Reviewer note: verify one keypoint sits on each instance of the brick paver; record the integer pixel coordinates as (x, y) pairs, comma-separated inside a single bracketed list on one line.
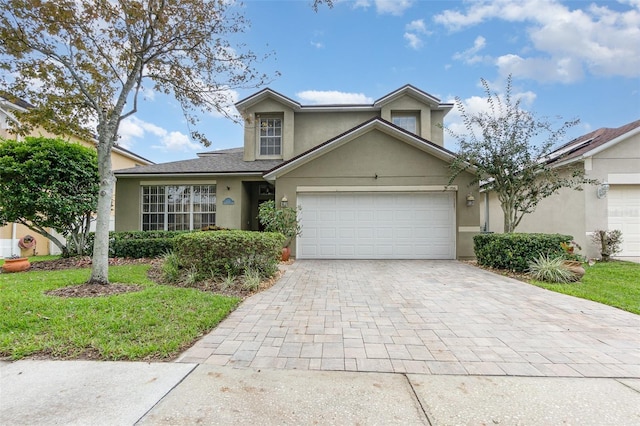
[(433, 317)]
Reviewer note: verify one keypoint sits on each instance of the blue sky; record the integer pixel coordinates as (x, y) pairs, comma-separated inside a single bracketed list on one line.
[(574, 59)]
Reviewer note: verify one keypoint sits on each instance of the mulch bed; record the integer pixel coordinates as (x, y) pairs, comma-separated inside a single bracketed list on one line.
[(154, 273)]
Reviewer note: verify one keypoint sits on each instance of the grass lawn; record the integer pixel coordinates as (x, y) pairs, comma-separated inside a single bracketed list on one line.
[(157, 322), (611, 283)]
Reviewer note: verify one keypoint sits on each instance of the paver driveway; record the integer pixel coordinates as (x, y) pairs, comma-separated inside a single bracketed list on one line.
[(432, 317)]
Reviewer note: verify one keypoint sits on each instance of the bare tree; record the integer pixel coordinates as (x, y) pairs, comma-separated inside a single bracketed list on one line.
[(84, 64)]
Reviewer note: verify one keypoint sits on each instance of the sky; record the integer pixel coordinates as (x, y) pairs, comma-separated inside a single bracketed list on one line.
[(567, 59)]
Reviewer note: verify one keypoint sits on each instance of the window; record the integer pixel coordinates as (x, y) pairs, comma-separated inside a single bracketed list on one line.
[(406, 120), (178, 208), (270, 136)]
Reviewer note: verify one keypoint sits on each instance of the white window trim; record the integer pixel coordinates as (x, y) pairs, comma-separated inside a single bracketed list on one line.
[(260, 117), (166, 213)]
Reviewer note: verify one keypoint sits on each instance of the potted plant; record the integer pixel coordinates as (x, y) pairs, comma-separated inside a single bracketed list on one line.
[(283, 220), (15, 263)]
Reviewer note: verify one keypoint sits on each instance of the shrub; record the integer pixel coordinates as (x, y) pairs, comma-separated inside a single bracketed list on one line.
[(170, 267), (514, 251), (229, 253), (137, 244), (283, 220), (608, 242), (550, 269)]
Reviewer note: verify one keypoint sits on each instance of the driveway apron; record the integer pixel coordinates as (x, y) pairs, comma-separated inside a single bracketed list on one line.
[(426, 317)]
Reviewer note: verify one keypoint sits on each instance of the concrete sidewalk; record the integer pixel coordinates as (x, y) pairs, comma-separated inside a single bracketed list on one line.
[(127, 393)]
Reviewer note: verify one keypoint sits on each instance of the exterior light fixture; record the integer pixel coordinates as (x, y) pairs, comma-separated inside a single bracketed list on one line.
[(284, 202), (470, 200), (602, 190)]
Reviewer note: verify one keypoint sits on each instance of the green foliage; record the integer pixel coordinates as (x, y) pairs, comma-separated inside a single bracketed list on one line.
[(283, 220), (505, 148), (609, 242), (49, 183), (550, 269), (514, 251), (138, 244), (251, 279), (612, 283), (157, 322), (170, 267), (229, 252)]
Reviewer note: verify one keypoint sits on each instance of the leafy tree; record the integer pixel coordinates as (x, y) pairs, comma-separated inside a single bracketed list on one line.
[(49, 183), (85, 63), (510, 148)]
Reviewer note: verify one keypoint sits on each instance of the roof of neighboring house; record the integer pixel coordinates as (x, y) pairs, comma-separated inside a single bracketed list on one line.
[(227, 161), (13, 102), (593, 142)]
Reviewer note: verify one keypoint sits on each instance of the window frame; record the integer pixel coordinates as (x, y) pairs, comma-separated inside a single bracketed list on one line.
[(260, 137), (186, 206), (400, 115)]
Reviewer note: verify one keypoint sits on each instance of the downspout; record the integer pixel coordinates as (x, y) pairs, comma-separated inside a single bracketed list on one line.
[(486, 211), (13, 238)]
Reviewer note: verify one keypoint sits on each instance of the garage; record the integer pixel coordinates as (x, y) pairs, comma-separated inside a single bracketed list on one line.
[(377, 225), (624, 214)]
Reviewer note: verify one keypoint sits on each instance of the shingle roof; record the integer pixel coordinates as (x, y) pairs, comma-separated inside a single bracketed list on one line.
[(585, 143), (213, 162)]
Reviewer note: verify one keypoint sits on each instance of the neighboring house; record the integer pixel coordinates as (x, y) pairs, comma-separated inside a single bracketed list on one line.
[(371, 180), (612, 156), (10, 234)]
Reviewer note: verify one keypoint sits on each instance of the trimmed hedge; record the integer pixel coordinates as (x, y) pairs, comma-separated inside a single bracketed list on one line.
[(137, 244), (514, 251), (229, 252)]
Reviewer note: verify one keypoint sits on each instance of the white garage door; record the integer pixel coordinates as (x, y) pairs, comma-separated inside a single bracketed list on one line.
[(624, 214), (377, 226)]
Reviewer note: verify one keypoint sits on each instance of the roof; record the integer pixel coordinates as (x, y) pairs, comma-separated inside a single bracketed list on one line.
[(229, 161), (591, 143), (374, 123), (377, 105)]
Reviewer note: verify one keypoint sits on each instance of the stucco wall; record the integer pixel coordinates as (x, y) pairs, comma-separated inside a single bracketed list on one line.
[(397, 164), (313, 129), (578, 213)]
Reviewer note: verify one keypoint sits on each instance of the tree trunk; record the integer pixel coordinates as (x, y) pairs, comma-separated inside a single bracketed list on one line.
[(100, 260)]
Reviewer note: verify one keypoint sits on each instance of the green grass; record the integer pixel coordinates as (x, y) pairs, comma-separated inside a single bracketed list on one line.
[(611, 283), (155, 323)]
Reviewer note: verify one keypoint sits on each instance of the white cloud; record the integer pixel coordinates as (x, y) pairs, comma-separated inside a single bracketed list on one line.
[(133, 129), (565, 42), (391, 7), (414, 41), (317, 44), (417, 26), (470, 56), (330, 97)]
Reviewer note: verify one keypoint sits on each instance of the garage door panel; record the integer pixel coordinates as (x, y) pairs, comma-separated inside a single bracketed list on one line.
[(624, 214), (377, 225)]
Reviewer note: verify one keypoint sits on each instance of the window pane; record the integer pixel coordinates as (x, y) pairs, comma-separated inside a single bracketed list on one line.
[(270, 136)]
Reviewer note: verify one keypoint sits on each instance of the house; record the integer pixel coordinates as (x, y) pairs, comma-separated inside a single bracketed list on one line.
[(372, 181), (612, 157), (10, 235)]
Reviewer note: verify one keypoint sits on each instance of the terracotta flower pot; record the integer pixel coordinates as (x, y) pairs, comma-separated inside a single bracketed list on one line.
[(286, 252), (16, 265)]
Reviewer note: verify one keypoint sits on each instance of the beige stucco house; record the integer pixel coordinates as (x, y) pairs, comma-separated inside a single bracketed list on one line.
[(371, 180), (10, 235), (612, 157)]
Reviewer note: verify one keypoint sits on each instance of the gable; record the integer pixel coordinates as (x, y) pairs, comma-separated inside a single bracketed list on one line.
[(370, 154)]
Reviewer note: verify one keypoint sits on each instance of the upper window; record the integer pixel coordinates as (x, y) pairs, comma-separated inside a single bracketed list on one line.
[(406, 120), (270, 136), (178, 208)]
